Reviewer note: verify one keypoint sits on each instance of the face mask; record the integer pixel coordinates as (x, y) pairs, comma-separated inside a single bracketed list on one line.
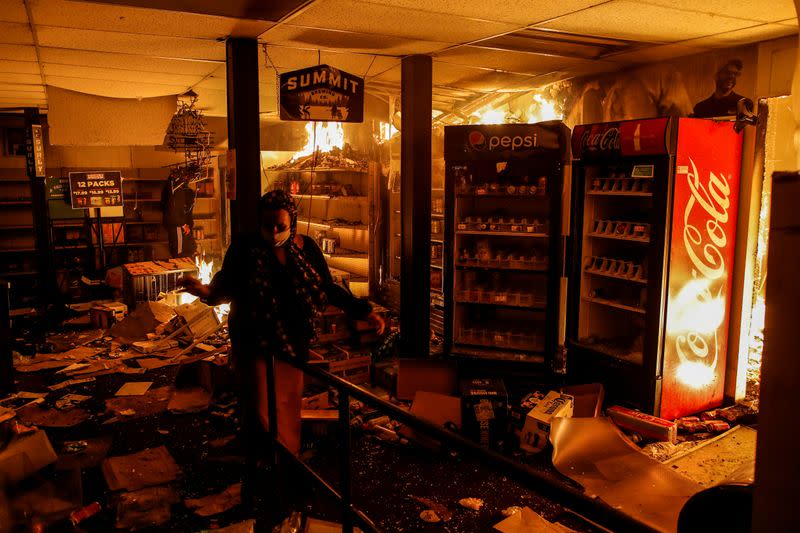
[(279, 239)]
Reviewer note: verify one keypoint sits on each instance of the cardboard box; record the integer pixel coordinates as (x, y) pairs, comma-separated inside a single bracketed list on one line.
[(645, 425), (484, 411), (536, 431), (440, 409), (431, 375), (25, 455), (106, 315)]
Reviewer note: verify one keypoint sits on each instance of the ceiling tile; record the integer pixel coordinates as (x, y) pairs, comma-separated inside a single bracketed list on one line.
[(654, 54), (17, 52), (22, 102), (13, 11), (212, 102), (30, 88), (762, 32), (350, 15), (789, 22), (30, 95), (761, 10), (123, 19), (88, 58), (517, 12), (147, 45), (625, 19), (115, 89), (315, 38), (18, 67), (246, 9), (473, 79), (94, 73), (27, 79), (518, 62), (15, 33)]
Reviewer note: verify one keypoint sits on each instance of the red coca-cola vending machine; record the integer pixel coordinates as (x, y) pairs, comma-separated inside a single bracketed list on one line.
[(654, 231)]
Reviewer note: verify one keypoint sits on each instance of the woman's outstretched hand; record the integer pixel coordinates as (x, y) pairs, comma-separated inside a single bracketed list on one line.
[(376, 321), (194, 286)]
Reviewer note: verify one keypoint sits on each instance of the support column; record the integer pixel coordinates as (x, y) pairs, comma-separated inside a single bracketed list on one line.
[(243, 131), (41, 223), (415, 205), (777, 479)]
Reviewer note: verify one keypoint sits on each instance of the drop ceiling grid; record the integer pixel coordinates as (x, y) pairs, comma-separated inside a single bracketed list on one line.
[(516, 12), (116, 18), (131, 76), (759, 10), (628, 19), (761, 32), (115, 89), (146, 45), (13, 11), (15, 33), (126, 61), (377, 19), (292, 35)]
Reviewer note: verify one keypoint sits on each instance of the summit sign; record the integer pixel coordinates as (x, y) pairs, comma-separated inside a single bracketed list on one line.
[(321, 93)]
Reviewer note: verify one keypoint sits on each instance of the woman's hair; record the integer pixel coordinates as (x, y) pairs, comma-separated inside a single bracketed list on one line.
[(277, 200)]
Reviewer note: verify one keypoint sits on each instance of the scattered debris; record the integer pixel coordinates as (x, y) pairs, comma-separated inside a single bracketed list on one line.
[(68, 401), (471, 503), (216, 503), (25, 455), (146, 507), (153, 466), (134, 388), (68, 383), (443, 512), (429, 516), (95, 451), (190, 400), (74, 446), (35, 415), (514, 509), (526, 521)]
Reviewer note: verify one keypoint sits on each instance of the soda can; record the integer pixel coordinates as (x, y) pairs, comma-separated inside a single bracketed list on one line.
[(692, 427), (717, 426)]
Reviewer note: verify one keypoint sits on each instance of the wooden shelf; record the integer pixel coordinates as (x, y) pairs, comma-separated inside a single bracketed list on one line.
[(24, 226), (616, 305), (613, 276), (140, 200), (617, 238), (15, 250), (433, 215), (504, 234), (15, 202)]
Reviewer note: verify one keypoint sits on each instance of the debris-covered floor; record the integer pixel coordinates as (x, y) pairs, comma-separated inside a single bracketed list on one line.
[(142, 418)]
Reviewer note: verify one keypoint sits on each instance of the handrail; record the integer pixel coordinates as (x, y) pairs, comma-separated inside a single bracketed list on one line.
[(574, 499)]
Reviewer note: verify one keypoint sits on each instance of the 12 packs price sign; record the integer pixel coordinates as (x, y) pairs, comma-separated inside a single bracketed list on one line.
[(95, 189)]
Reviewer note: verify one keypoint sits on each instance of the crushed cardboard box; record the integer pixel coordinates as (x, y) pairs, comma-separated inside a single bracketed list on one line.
[(25, 455), (536, 430), (150, 467)]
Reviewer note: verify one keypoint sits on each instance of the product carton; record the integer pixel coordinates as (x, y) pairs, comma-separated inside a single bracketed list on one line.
[(536, 431), (25, 455), (484, 411)]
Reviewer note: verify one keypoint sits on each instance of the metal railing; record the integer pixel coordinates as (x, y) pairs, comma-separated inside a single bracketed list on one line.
[(573, 499)]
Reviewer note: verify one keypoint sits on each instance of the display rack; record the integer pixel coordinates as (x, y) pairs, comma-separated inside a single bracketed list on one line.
[(504, 265), (334, 209), (630, 273)]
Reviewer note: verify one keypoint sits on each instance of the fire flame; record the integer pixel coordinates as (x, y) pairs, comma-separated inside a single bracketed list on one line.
[(529, 109), (205, 269), (329, 135)]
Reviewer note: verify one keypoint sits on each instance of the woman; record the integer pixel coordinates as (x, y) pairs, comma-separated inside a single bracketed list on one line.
[(277, 282)]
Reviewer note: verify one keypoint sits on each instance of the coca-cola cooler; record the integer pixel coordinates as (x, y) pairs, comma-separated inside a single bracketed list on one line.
[(654, 231)]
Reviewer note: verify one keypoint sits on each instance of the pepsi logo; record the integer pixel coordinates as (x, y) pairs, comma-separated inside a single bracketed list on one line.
[(477, 141)]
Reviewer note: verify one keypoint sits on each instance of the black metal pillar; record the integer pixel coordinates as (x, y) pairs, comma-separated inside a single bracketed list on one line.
[(41, 224), (243, 131), (777, 479), (6, 358), (415, 205)]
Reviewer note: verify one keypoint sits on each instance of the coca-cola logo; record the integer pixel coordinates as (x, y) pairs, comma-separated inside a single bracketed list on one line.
[(607, 140), (704, 240)]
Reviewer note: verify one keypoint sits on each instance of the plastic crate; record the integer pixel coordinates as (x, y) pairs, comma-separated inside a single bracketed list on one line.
[(143, 282)]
